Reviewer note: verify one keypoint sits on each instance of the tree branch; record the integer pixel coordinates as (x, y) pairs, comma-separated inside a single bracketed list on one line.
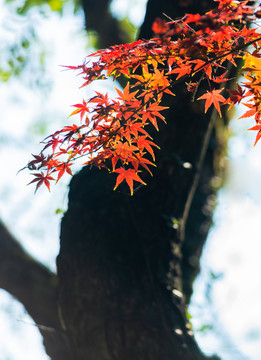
[(36, 288), (99, 19)]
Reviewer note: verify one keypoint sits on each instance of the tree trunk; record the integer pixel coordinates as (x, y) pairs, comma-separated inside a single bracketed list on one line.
[(126, 264)]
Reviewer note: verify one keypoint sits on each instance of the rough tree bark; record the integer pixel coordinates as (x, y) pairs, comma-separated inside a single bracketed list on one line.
[(126, 264)]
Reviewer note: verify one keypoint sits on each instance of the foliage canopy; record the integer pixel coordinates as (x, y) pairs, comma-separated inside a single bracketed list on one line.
[(113, 132)]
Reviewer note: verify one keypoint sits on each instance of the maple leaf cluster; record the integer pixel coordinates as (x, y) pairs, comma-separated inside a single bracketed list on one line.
[(113, 132)]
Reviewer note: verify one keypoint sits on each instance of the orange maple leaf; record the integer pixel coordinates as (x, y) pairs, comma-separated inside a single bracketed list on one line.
[(213, 97), (181, 71), (143, 142), (258, 136), (126, 96), (248, 113), (128, 175)]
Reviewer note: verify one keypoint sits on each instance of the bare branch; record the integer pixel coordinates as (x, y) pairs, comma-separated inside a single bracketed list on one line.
[(36, 288)]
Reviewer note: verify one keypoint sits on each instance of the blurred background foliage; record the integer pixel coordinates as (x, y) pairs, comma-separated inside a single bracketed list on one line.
[(22, 48)]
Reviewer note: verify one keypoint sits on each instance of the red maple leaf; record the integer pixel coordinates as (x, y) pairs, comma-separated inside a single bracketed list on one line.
[(41, 179), (128, 175), (80, 109), (235, 96), (160, 26)]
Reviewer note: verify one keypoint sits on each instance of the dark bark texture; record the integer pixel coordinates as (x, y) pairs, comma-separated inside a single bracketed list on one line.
[(127, 263)]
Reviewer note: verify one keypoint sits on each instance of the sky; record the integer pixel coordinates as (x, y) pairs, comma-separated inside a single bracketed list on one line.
[(232, 254), (227, 292)]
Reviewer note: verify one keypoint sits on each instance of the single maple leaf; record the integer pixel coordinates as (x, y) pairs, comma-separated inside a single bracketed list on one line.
[(126, 96), (160, 26), (41, 179), (140, 161), (248, 113), (258, 136), (252, 63), (128, 175), (190, 18), (143, 142), (235, 96), (124, 149), (181, 71), (38, 159), (152, 112), (221, 78), (213, 97), (81, 109), (63, 168)]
